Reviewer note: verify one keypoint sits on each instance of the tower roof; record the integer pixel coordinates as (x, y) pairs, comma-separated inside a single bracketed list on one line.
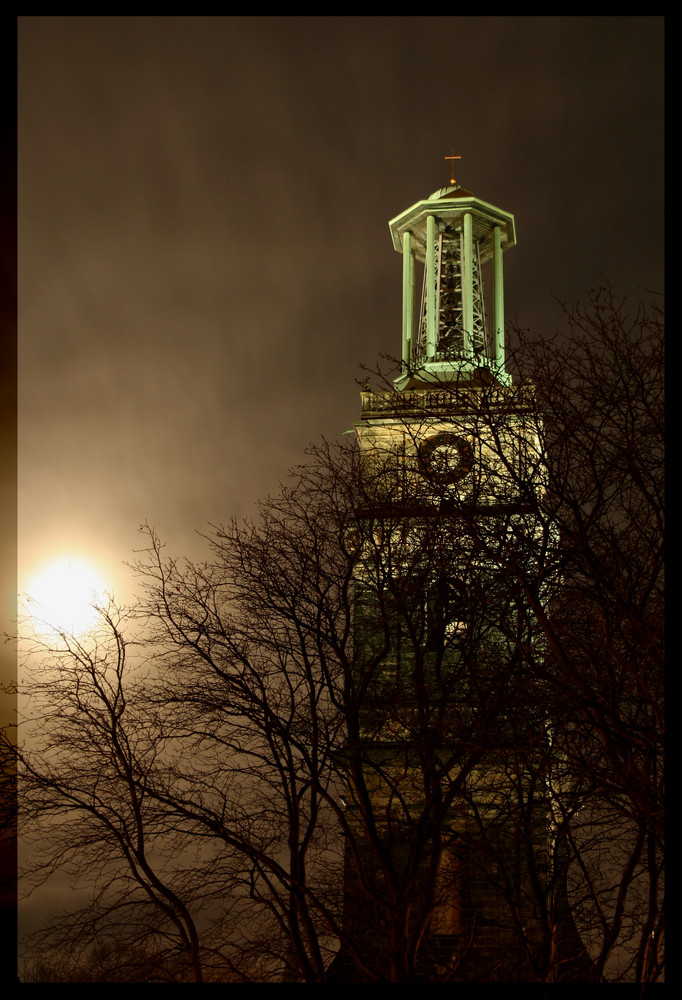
[(448, 205)]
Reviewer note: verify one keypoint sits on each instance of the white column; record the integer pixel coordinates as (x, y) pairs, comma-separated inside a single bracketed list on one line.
[(430, 286), (468, 283), (408, 298), (498, 339)]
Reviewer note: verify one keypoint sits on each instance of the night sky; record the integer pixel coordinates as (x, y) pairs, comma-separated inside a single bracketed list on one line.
[(204, 256)]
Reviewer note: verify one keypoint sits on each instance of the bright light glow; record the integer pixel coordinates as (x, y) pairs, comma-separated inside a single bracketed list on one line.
[(61, 596)]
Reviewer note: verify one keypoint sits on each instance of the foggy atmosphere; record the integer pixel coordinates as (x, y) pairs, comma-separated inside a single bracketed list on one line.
[(206, 272)]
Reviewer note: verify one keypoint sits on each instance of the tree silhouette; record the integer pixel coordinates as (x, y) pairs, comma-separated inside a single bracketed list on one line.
[(404, 725)]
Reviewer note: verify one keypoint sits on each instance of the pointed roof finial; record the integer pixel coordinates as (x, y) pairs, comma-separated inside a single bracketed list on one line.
[(452, 165)]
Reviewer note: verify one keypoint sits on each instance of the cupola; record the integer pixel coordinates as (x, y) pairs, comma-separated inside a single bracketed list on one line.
[(449, 337)]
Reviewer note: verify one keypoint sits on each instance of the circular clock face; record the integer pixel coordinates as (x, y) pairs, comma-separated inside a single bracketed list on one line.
[(446, 458), (352, 540)]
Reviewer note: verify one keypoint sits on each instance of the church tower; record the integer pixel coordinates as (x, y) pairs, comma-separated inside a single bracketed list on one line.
[(435, 884)]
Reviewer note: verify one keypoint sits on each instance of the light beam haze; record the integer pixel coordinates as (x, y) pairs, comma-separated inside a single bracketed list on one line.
[(203, 250)]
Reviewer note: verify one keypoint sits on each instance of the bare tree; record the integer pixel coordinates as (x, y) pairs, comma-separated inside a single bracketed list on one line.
[(85, 810), (387, 731), (579, 539), (601, 395)]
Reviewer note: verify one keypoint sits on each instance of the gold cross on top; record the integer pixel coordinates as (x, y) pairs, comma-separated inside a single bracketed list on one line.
[(452, 165)]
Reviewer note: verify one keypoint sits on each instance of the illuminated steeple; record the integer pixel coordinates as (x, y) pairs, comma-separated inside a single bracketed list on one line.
[(452, 234)]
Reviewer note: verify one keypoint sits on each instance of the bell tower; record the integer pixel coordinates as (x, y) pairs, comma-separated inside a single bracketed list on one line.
[(441, 450), (448, 762), (449, 767)]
